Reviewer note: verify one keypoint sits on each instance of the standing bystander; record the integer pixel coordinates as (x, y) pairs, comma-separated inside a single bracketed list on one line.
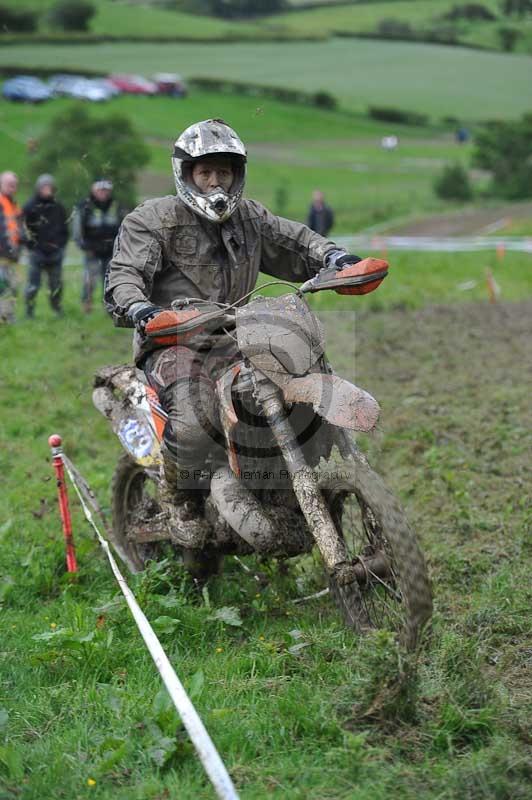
[(47, 235), (97, 219), (10, 242), (320, 216)]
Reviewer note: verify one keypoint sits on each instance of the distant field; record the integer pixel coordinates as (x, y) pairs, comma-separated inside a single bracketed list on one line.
[(433, 79), (421, 16), (293, 150), (144, 19)]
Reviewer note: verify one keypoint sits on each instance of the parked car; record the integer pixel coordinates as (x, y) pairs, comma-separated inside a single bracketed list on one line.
[(113, 90), (87, 89), (134, 84), (26, 89), (171, 84), (80, 88), (61, 85)]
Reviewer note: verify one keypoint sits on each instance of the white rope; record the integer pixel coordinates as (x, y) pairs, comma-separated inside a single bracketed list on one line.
[(209, 757)]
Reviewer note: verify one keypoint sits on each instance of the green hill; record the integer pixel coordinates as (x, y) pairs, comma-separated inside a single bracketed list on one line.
[(441, 81), (401, 19)]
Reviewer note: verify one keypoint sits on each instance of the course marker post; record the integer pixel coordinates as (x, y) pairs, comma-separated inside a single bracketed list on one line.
[(57, 459)]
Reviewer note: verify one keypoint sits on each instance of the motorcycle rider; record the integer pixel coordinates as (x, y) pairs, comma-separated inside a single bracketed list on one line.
[(205, 242)]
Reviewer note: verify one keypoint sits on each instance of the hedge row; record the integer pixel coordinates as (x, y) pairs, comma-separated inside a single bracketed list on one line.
[(398, 115), (97, 38), (321, 99)]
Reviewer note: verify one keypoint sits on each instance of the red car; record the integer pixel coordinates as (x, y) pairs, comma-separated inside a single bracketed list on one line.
[(133, 84)]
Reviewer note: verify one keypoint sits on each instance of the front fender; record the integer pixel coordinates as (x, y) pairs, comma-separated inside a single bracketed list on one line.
[(335, 399)]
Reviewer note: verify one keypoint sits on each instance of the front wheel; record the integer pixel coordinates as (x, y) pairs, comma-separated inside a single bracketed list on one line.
[(392, 589)]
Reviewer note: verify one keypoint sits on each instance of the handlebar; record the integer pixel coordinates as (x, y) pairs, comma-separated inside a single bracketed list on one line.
[(178, 324)]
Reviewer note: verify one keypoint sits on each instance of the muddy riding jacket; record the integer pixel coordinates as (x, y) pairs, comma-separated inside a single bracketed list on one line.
[(164, 252), (10, 228)]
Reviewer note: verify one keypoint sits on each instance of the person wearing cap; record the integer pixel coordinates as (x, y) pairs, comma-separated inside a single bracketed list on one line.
[(97, 219), (204, 242), (46, 238), (11, 237)]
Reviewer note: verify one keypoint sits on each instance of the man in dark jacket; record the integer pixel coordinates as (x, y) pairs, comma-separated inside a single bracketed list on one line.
[(207, 242), (320, 215), (97, 219), (10, 242), (47, 235)]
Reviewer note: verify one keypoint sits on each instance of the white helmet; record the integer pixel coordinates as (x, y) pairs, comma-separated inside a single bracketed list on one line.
[(207, 138)]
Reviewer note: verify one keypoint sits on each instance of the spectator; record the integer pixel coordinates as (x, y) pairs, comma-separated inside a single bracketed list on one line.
[(461, 135), (47, 235), (97, 219), (320, 215), (10, 242), (389, 142)]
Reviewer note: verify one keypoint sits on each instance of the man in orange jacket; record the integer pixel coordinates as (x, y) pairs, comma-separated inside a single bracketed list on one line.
[(10, 242)]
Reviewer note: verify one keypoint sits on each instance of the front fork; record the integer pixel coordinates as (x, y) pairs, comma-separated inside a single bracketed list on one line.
[(306, 487)]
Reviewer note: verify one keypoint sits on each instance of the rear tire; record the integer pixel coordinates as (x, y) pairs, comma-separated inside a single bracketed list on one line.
[(129, 489), (393, 589)]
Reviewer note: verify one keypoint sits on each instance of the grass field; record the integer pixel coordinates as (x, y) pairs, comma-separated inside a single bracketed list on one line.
[(81, 711), (292, 150), (144, 20), (470, 84)]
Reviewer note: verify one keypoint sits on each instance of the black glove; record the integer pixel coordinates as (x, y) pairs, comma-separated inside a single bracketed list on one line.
[(340, 259), (141, 313)]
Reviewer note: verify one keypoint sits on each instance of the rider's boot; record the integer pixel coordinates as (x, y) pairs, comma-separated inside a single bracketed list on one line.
[(182, 505)]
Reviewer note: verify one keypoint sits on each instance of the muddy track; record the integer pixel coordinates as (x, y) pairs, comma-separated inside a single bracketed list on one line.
[(454, 386)]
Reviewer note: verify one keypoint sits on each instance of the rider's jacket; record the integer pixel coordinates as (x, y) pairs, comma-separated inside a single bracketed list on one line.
[(164, 251)]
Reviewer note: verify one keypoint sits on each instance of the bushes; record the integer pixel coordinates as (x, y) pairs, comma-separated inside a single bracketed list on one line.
[(474, 12), (453, 184), (508, 38), (76, 147), (233, 9), (320, 98), (71, 15), (397, 115), (395, 29), (17, 21), (505, 150)]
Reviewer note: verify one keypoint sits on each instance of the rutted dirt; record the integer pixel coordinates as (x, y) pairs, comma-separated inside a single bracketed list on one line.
[(475, 221), (454, 387)]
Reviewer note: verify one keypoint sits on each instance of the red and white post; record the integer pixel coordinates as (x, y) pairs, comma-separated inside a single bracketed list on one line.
[(55, 443)]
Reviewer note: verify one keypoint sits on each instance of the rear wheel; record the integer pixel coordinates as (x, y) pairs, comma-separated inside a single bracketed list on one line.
[(135, 511), (133, 502), (392, 589)]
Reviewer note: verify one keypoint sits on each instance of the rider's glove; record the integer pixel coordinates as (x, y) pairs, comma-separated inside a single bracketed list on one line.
[(340, 259), (141, 313)]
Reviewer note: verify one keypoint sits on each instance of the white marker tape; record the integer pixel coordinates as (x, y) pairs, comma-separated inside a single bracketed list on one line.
[(209, 757)]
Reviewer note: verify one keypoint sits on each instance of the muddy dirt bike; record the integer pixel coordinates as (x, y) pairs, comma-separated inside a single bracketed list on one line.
[(291, 477)]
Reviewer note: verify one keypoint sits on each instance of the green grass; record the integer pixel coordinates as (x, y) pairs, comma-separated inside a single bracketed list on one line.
[(421, 16), (85, 703), (290, 147), (436, 80), (124, 19)]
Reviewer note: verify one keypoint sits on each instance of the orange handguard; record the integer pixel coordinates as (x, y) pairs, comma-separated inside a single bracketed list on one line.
[(362, 274), (163, 329)]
